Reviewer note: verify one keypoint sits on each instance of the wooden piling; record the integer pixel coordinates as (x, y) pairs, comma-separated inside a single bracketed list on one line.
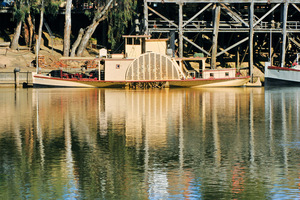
[(16, 73)]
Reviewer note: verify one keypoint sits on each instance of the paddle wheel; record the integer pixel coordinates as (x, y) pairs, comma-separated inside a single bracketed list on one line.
[(153, 66)]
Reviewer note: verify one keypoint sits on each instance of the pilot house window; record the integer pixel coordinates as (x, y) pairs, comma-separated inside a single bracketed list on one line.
[(133, 41)]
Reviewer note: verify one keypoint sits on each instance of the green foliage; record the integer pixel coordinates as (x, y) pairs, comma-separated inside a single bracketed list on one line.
[(34, 7), (89, 14), (52, 7), (20, 10), (118, 18)]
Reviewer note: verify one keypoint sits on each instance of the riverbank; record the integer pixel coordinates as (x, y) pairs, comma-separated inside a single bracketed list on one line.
[(24, 60)]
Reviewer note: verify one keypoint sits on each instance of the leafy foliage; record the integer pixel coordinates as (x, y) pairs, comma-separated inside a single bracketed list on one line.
[(52, 7), (22, 7), (118, 18), (20, 10), (34, 7), (89, 14)]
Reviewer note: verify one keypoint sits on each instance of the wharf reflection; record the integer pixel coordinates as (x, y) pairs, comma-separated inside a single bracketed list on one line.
[(171, 143)]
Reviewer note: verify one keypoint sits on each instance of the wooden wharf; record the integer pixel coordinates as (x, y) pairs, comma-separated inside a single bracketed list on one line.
[(241, 29)]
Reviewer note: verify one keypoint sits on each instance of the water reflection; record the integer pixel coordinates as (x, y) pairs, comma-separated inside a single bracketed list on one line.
[(150, 144), (282, 109)]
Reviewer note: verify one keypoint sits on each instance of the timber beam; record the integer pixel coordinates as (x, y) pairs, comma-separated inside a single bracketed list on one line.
[(235, 15), (217, 13), (284, 33), (251, 35), (296, 7), (200, 48), (197, 14), (163, 17), (232, 46)]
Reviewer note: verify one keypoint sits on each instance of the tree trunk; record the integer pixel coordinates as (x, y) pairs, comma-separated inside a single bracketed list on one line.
[(91, 28), (15, 41), (88, 34), (38, 42), (26, 33), (67, 31), (76, 43), (31, 29)]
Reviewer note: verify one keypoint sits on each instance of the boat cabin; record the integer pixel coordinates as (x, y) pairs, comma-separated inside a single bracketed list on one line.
[(137, 47), (148, 67), (296, 63)]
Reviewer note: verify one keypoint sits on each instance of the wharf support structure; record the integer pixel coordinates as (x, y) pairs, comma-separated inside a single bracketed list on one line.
[(15, 79), (228, 31)]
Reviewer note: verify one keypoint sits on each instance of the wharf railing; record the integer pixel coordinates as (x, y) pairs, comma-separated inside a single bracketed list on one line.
[(231, 26)]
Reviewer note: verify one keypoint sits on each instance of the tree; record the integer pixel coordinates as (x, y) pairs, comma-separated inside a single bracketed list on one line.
[(51, 8), (117, 13), (20, 10), (118, 18), (99, 16), (32, 10), (31, 28), (38, 42), (67, 31), (25, 9)]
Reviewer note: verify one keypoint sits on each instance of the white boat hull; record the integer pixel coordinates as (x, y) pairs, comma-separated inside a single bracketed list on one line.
[(208, 83), (281, 76), (40, 80), (47, 81)]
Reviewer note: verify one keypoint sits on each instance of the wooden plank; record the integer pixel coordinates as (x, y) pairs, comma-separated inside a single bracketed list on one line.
[(4, 44)]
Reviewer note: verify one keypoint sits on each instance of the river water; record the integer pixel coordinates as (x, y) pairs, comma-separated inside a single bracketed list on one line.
[(230, 143)]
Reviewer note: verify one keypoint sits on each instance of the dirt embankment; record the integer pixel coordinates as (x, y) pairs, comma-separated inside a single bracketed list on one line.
[(24, 58)]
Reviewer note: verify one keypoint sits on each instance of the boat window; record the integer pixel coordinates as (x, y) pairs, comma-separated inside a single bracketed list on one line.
[(117, 66), (129, 41), (137, 41), (211, 75), (226, 73)]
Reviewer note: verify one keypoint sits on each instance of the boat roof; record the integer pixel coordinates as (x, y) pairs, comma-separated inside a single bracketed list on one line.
[(136, 36), (190, 58)]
